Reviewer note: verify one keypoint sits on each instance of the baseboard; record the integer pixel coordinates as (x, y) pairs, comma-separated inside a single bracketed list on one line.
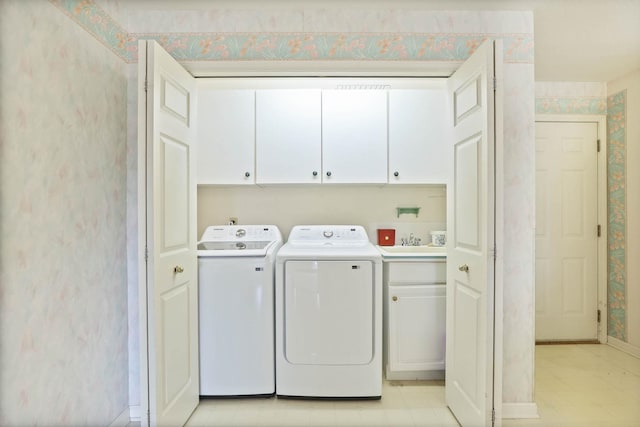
[(519, 410), (624, 346), (134, 413), (122, 420)]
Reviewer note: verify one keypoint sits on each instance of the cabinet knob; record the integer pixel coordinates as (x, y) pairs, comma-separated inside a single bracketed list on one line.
[(395, 298), (464, 267), (315, 173), (396, 173), (178, 269), (328, 173), (247, 174)]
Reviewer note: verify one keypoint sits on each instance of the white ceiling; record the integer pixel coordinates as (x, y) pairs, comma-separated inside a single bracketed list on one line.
[(575, 40)]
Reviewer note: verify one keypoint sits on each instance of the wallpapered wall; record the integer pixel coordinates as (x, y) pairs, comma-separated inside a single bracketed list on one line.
[(403, 35), (617, 211), (63, 289), (591, 98)]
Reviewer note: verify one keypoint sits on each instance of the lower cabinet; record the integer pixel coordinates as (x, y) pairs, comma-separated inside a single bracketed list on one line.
[(415, 303)]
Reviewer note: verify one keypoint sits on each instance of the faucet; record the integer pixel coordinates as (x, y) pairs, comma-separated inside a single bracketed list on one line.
[(411, 241)]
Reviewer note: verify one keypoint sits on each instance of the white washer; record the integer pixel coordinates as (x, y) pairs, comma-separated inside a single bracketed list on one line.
[(236, 309), (329, 314)]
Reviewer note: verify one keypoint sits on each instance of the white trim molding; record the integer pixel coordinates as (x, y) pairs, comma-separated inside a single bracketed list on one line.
[(122, 420), (623, 346), (519, 410)]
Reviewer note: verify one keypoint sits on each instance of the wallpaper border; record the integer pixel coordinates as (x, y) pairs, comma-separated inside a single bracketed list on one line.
[(568, 105), (617, 221), (100, 25), (303, 46)]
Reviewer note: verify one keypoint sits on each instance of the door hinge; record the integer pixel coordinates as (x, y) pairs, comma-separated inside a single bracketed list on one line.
[(493, 417), (599, 230), (598, 144), (146, 254), (599, 315), (495, 83), (146, 84)]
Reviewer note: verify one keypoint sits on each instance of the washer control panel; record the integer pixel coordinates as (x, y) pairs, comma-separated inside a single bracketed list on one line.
[(249, 233)]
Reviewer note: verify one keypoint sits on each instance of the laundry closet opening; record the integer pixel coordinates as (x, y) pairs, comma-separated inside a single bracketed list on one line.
[(290, 151), (358, 137)]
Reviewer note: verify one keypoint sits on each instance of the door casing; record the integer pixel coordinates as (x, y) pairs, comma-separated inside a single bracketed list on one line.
[(356, 69), (602, 206)]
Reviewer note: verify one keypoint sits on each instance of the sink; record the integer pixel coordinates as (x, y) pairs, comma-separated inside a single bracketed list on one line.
[(412, 251)]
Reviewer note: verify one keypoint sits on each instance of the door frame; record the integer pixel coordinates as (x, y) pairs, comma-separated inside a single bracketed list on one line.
[(601, 198), (380, 69)]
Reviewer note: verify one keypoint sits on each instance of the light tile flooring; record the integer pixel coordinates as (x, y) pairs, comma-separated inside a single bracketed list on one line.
[(585, 386), (576, 386), (404, 403)]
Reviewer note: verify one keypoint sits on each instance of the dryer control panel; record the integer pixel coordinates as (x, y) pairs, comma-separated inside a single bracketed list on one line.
[(323, 235)]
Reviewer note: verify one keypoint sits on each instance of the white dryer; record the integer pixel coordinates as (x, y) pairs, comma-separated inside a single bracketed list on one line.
[(329, 314), (236, 303)]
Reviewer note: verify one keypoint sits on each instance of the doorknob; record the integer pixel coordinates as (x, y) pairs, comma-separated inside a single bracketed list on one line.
[(464, 267), (178, 269)]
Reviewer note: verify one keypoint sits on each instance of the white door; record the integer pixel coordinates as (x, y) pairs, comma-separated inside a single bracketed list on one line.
[(168, 292), (226, 136), (354, 136), (417, 136), (566, 231), (288, 136), (416, 327), (471, 239)]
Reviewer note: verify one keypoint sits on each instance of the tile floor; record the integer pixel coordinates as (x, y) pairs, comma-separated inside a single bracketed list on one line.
[(585, 386), (404, 403), (576, 386)]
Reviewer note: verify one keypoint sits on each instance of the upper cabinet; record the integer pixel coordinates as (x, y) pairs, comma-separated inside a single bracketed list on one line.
[(226, 136), (331, 136), (354, 136), (288, 136), (417, 136)]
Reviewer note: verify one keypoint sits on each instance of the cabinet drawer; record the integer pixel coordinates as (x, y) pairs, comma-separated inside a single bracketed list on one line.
[(414, 273)]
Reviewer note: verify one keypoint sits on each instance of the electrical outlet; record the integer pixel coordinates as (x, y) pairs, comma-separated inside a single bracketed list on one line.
[(233, 220)]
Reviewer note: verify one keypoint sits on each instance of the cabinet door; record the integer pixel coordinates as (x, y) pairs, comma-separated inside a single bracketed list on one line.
[(417, 136), (354, 136), (288, 136), (416, 327), (226, 136)]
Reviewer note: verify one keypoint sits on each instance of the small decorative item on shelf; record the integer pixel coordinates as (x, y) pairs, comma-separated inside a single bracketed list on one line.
[(438, 238), (386, 236)]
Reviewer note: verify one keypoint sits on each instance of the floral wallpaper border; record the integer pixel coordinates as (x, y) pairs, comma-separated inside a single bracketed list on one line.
[(518, 48), (553, 105), (98, 23), (617, 221), (334, 46)]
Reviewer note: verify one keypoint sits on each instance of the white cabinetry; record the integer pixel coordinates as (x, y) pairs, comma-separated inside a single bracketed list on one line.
[(415, 304), (417, 136), (354, 136), (226, 137), (288, 136)]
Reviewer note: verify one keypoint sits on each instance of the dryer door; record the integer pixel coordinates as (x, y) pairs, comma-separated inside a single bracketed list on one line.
[(329, 312)]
